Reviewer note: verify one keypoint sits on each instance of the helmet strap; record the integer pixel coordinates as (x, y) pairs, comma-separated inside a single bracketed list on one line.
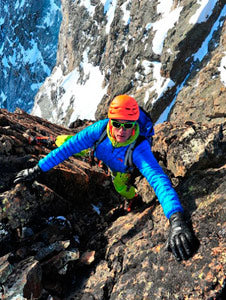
[(110, 129)]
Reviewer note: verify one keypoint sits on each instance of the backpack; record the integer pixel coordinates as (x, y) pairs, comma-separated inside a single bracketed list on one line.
[(146, 132)]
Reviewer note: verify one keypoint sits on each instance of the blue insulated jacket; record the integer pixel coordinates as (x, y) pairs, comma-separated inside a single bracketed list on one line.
[(113, 157)]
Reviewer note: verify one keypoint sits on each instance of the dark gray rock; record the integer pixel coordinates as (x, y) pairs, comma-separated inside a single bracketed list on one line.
[(76, 253)]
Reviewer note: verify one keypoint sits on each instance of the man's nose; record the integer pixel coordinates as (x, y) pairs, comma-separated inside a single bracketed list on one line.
[(121, 128)]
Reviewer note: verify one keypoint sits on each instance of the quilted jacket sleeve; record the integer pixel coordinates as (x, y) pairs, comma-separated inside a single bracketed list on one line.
[(145, 161), (82, 140)]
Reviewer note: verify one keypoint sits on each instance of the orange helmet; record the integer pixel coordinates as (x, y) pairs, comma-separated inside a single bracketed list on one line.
[(124, 107)]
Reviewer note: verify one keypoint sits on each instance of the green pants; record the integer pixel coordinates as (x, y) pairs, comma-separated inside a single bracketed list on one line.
[(122, 184)]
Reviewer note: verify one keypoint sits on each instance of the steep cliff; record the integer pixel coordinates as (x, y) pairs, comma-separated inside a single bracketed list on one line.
[(164, 53), (66, 236)]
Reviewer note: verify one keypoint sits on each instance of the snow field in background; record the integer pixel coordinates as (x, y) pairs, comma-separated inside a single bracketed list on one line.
[(84, 98)]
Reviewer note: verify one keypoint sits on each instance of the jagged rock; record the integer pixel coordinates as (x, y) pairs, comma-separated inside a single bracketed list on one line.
[(45, 251), (190, 147), (88, 257), (5, 268), (140, 268), (150, 49), (205, 102), (25, 281), (37, 206), (56, 245), (60, 261)]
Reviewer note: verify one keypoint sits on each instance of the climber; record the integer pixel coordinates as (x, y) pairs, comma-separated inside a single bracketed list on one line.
[(122, 129)]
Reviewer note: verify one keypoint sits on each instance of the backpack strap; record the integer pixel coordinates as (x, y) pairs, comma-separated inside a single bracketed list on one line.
[(102, 137), (128, 157), (129, 153), (93, 149)]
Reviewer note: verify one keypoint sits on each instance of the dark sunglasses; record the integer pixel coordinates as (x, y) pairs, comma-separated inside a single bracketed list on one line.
[(127, 125)]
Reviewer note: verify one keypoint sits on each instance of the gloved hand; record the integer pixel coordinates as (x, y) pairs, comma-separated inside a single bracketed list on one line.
[(27, 174), (180, 240)]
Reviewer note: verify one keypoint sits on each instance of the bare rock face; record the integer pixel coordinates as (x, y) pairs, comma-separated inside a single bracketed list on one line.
[(206, 102), (66, 236), (163, 53)]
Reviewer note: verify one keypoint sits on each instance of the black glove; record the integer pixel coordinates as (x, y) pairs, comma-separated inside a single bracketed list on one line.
[(27, 174), (180, 240)]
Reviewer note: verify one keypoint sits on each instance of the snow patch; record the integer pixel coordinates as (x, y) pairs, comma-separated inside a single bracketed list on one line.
[(161, 83), (86, 96), (222, 69), (2, 20), (12, 58), (18, 4), (148, 26), (88, 6), (161, 27), (164, 116), (49, 19), (2, 97), (5, 62), (81, 97), (203, 12), (200, 55), (35, 86), (33, 56), (126, 13), (147, 66), (37, 111), (203, 50), (109, 10), (146, 98)]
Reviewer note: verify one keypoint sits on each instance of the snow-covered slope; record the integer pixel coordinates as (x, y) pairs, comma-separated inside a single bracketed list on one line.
[(149, 49), (28, 48), (169, 54)]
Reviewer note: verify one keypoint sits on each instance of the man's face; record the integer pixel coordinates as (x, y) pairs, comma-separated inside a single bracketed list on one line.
[(121, 133)]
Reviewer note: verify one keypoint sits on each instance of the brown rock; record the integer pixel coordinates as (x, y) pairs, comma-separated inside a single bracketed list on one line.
[(131, 261), (25, 281)]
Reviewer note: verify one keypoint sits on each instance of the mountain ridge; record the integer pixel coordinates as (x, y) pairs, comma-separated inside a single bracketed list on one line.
[(67, 236), (150, 50)]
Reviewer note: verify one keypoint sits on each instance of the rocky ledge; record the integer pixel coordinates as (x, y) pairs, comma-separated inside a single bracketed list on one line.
[(65, 236)]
